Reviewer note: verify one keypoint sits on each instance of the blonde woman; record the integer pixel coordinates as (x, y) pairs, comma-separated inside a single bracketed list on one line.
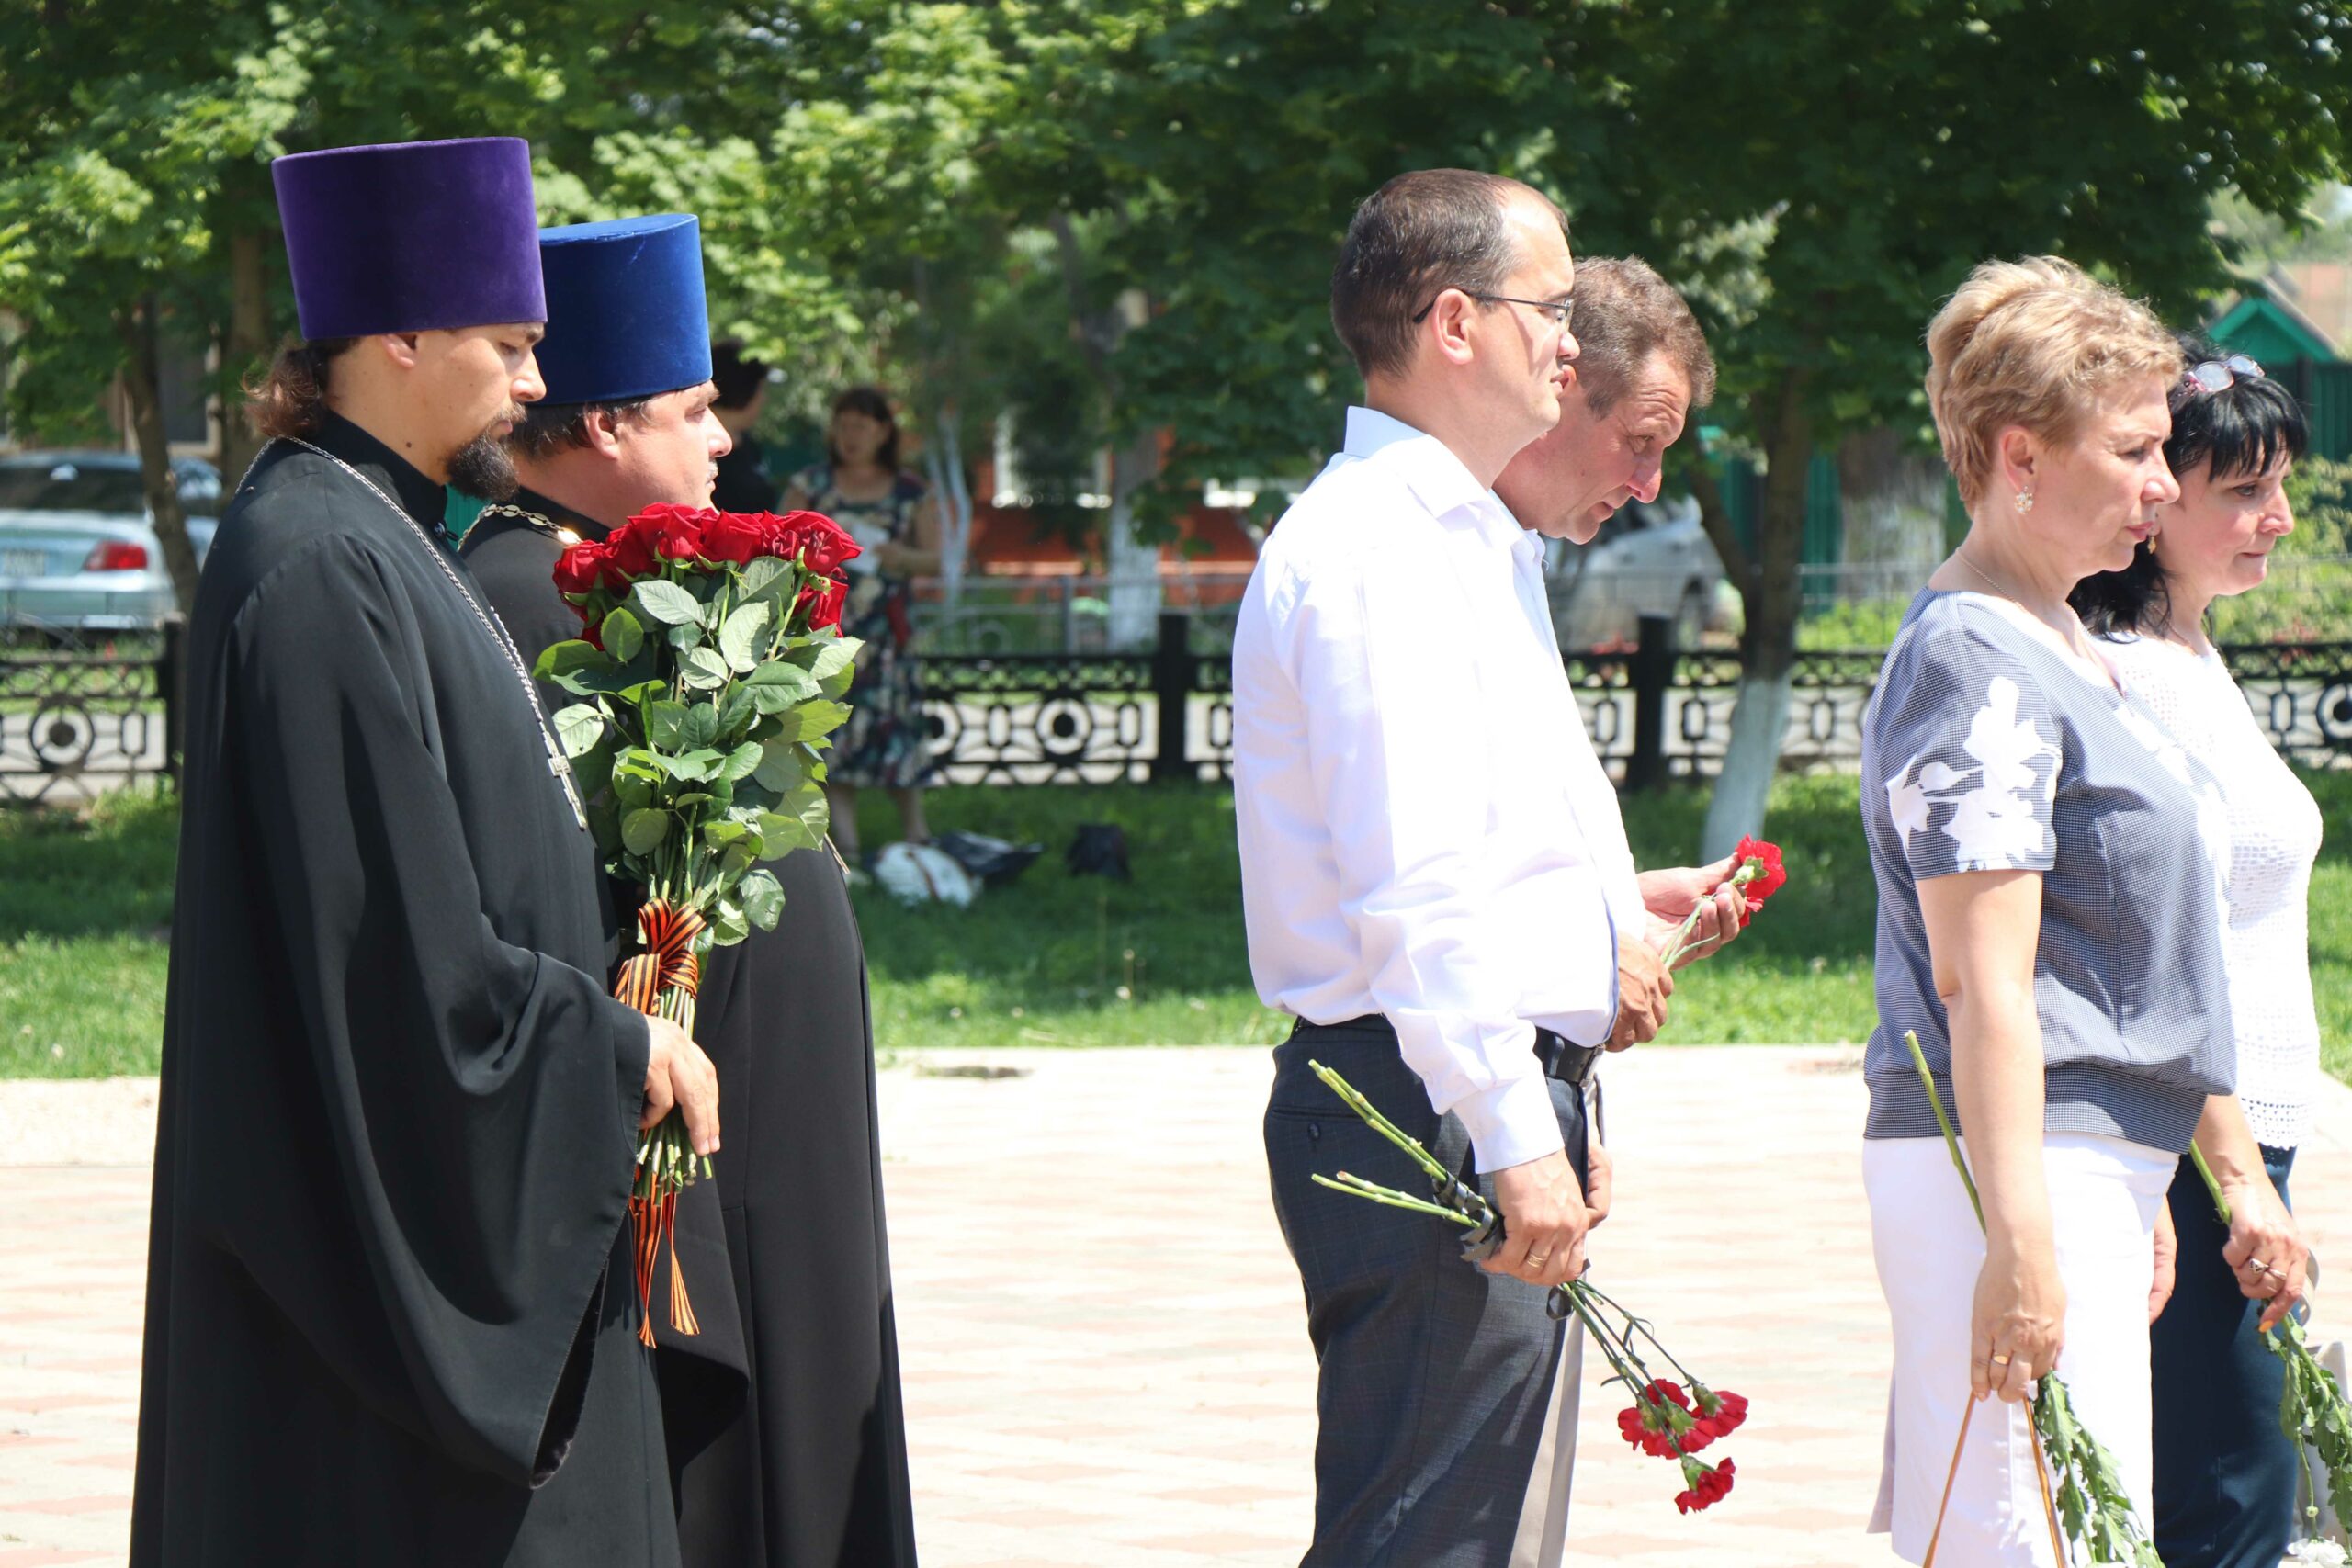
[(2050, 867)]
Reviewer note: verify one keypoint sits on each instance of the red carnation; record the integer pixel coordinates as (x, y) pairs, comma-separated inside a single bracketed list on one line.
[(1758, 873), (1720, 1414), (1657, 1419), (579, 567), (1707, 1484), (733, 536)]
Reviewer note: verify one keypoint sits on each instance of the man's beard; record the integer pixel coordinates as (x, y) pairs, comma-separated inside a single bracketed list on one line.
[(481, 468)]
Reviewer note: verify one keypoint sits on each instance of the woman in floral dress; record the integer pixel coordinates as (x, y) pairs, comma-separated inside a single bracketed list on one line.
[(887, 743)]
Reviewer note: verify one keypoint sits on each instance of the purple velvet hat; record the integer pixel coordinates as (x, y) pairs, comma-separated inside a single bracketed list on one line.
[(410, 236)]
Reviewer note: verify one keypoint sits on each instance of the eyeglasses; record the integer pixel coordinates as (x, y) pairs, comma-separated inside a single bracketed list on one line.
[(2221, 375), (1556, 311)]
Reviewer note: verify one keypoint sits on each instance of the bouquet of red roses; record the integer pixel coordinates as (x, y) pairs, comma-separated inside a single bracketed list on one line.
[(709, 669)]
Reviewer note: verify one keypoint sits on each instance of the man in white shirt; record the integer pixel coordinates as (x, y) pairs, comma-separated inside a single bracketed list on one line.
[(1436, 884)]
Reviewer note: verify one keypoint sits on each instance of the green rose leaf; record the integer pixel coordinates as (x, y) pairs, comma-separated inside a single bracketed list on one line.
[(660, 600), (727, 926), (779, 768), (777, 686), (592, 771), (643, 830), (761, 576), (718, 835), (624, 636), (701, 727), (762, 897), (738, 712), (579, 727), (700, 764), (706, 670), (810, 719), (783, 835), (564, 658), (665, 724), (742, 762), (744, 637), (685, 635)]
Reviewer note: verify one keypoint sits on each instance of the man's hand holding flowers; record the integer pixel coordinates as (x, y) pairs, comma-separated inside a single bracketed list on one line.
[(1672, 897)]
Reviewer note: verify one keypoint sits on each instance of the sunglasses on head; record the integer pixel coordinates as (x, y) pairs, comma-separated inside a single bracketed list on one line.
[(2221, 375)]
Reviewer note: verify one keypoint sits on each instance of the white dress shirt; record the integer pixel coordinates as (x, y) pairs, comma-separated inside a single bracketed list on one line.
[(1425, 831)]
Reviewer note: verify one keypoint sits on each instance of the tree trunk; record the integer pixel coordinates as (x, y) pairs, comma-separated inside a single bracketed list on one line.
[(136, 328), (1131, 562), (1768, 641), (245, 351)]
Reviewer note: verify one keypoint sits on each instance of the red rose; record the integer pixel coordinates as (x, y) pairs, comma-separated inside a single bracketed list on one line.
[(733, 536), (825, 544), (1707, 1484), (578, 568), (677, 538), (1759, 873), (628, 556), (823, 600)]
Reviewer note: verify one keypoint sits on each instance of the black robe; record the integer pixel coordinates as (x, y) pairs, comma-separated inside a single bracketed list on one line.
[(812, 1471), (387, 1315)]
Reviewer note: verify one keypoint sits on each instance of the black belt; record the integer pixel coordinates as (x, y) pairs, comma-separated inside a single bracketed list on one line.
[(1564, 1059)]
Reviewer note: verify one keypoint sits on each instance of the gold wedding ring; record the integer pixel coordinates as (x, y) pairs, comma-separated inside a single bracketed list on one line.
[(1999, 1361)]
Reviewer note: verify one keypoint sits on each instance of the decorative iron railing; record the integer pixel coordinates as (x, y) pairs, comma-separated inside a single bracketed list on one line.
[(76, 720)]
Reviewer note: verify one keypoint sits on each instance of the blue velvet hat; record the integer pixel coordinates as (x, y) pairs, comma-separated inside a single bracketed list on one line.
[(410, 236), (625, 316)]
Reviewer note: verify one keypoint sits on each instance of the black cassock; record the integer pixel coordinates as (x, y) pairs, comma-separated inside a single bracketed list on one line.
[(812, 1472), (387, 1315)]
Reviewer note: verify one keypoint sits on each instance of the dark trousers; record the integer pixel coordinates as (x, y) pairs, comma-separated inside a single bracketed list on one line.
[(1435, 1375), (2228, 1481)]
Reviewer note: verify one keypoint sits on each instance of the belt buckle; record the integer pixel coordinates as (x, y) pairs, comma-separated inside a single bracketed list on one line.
[(1563, 1059)]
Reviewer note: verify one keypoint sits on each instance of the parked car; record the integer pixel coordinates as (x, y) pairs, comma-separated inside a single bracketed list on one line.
[(78, 551), (1650, 558)]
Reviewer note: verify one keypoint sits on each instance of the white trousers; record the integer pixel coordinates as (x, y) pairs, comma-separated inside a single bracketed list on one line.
[(2103, 1197)]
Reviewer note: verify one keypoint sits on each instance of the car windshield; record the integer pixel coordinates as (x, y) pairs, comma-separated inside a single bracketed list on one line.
[(76, 487)]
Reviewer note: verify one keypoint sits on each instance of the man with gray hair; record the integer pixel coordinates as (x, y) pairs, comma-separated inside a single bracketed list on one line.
[(1435, 888), (1643, 366)]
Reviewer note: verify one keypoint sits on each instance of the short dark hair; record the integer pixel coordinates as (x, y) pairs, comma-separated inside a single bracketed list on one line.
[(737, 374), (290, 397), (546, 429), (1422, 231), (2244, 428), (1625, 312), (873, 404)]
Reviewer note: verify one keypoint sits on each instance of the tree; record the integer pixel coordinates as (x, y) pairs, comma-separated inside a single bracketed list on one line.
[(1875, 149)]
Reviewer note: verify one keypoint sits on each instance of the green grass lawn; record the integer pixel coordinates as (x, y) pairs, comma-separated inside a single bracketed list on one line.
[(1052, 959)]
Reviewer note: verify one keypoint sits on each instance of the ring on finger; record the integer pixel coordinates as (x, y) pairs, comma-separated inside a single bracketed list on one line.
[(2002, 1361), (1538, 1260), (2257, 1265)]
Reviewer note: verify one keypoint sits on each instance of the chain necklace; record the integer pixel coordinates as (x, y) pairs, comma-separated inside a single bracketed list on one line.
[(554, 530), (2071, 633), (557, 764)]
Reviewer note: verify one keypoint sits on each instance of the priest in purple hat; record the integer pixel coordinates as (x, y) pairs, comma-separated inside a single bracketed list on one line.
[(809, 1467), (389, 1298)]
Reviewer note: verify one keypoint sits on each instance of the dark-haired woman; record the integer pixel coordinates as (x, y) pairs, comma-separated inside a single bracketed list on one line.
[(886, 743), (2227, 1480)]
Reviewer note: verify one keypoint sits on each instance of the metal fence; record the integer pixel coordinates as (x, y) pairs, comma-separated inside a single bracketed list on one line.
[(78, 719), (1654, 713)]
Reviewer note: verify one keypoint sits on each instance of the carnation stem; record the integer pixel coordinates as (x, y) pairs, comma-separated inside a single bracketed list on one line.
[(1951, 1139)]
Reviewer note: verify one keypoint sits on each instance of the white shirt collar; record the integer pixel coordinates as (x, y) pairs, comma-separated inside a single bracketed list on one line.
[(1428, 468)]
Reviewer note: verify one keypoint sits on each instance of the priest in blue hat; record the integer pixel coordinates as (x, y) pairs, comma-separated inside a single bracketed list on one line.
[(808, 1469), (389, 1308)]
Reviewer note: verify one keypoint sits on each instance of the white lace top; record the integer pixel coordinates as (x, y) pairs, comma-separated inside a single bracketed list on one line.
[(2274, 839)]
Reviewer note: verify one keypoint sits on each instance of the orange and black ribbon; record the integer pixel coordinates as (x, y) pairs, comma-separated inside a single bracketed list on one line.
[(667, 964)]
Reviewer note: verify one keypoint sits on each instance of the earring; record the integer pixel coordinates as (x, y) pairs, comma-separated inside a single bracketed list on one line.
[(2024, 501)]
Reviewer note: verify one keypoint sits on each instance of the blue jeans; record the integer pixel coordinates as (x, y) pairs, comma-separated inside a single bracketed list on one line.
[(2229, 1482)]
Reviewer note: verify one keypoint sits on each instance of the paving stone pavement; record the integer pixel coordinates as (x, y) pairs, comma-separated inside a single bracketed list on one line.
[(1104, 1348)]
